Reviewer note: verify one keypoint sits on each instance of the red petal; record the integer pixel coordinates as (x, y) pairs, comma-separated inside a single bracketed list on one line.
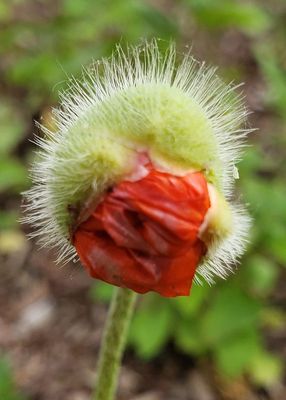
[(144, 234)]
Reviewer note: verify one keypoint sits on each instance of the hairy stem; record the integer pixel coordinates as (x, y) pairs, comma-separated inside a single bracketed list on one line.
[(113, 343)]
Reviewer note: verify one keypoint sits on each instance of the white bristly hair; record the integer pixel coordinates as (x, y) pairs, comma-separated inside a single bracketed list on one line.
[(57, 183), (224, 255)]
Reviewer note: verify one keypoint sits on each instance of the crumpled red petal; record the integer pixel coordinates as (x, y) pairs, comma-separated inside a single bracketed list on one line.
[(144, 234)]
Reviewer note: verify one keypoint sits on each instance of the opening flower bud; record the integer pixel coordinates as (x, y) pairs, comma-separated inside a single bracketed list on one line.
[(138, 180)]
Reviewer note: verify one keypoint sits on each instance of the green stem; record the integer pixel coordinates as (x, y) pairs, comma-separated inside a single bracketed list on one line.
[(113, 343)]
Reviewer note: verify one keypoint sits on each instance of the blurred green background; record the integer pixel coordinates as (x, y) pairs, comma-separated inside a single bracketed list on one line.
[(237, 326)]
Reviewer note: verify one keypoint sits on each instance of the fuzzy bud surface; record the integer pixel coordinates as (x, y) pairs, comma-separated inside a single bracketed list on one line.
[(156, 224)]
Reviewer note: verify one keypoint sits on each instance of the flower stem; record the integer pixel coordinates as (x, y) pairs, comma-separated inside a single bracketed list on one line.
[(113, 343)]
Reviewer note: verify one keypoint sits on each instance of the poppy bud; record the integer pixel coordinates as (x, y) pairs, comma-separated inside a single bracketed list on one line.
[(138, 180), (144, 234)]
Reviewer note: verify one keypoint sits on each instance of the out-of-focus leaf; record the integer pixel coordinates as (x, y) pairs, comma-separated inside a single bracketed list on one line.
[(154, 18), (76, 8), (11, 128), (252, 161), (230, 312), (5, 11), (150, 329), (41, 70), (265, 369), (13, 175), (101, 291), (260, 274), (275, 76), (188, 306), (235, 354), (229, 13), (188, 339), (7, 388), (276, 241), (267, 200), (8, 219)]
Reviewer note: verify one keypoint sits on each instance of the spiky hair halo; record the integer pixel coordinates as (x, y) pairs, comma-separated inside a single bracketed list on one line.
[(141, 98)]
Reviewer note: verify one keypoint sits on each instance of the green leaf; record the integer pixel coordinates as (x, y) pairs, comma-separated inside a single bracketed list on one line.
[(8, 219), (7, 388), (101, 291), (226, 13), (13, 175), (188, 306), (266, 369), (150, 329), (252, 161), (76, 8), (234, 355), (260, 274), (11, 128), (268, 209), (274, 74), (276, 241), (230, 312), (187, 337), (5, 11)]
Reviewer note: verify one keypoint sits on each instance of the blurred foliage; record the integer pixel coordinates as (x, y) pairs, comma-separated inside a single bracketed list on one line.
[(8, 390), (222, 14), (13, 175), (40, 50), (43, 42)]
